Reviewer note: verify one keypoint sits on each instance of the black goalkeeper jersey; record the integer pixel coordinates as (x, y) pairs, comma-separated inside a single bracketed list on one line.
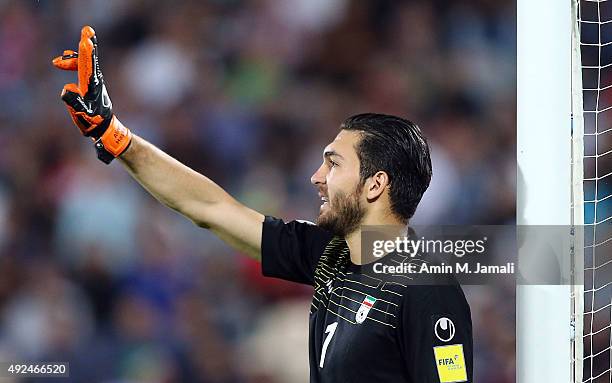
[(367, 327)]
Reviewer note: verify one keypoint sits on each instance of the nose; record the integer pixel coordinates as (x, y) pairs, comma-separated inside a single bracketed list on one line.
[(318, 178)]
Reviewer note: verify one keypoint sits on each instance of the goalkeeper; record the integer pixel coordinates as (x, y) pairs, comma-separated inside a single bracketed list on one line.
[(362, 329)]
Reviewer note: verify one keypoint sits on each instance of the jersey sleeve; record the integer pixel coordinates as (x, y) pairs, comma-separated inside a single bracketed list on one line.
[(435, 334), (291, 250)]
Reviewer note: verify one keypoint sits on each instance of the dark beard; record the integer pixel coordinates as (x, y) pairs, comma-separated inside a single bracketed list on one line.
[(344, 216)]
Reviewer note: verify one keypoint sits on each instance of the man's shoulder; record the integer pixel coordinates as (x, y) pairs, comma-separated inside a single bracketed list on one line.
[(302, 228), (446, 297)]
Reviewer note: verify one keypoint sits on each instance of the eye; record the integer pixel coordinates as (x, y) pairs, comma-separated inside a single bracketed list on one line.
[(333, 164)]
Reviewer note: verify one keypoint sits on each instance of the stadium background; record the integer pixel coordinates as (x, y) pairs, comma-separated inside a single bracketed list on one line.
[(95, 272)]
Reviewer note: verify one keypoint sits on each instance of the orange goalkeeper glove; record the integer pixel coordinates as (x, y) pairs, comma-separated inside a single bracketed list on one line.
[(88, 103)]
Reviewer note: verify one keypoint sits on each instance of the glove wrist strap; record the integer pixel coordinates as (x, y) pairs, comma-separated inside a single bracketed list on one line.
[(113, 142)]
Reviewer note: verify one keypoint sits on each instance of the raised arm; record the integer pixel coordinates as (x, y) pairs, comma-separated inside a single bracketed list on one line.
[(194, 196), (172, 183)]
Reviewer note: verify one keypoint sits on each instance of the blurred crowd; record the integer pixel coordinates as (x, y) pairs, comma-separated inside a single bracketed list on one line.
[(95, 272)]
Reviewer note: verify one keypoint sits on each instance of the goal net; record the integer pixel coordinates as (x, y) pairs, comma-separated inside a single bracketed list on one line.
[(592, 190)]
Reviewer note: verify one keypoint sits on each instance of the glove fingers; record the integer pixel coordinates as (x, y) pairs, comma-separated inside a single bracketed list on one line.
[(67, 61), (79, 110), (78, 120), (87, 60), (72, 97), (87, 101)]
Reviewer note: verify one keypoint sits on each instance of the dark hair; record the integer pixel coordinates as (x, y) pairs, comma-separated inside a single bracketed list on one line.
[(397, 147)]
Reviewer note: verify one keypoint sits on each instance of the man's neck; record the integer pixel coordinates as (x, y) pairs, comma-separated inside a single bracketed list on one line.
[(353, 239)]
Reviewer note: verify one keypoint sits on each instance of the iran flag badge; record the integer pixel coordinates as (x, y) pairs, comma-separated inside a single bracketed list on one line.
[(364, 309)]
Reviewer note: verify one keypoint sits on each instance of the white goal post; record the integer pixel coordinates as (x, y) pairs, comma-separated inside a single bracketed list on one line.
[(543, 179)]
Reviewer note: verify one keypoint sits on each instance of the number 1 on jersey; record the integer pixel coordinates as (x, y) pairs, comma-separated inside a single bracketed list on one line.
[(331, 329)]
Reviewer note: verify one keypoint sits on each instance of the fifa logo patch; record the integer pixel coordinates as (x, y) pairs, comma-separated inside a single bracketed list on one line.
[(450, 362), (364, 309)]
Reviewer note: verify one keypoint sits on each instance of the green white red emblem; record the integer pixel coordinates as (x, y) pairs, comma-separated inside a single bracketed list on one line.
[(364, 309)]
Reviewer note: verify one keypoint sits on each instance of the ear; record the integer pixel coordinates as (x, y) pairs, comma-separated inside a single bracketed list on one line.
[(376, 184)]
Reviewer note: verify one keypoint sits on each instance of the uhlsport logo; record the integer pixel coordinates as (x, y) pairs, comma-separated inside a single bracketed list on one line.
[(444, 329)]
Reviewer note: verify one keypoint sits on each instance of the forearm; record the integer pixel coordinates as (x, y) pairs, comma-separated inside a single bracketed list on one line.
[(172, 183)]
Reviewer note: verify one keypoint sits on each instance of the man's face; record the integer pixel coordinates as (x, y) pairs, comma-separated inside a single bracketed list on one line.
[(339, 185)]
